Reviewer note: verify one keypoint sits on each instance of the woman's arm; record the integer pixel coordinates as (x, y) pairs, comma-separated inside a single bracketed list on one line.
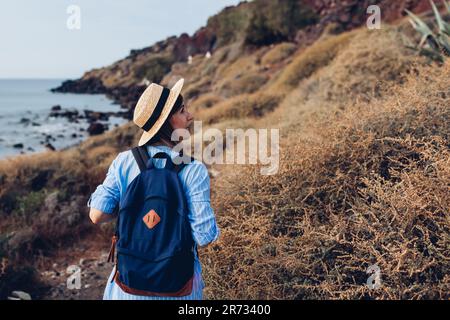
[(98, 216), (106, 197), (201, 215)]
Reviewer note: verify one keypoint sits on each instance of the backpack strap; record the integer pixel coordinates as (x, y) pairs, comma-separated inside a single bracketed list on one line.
[(141, 156), (177, 164)]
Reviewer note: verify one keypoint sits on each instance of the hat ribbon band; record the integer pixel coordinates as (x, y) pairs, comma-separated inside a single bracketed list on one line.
[(158, 110)]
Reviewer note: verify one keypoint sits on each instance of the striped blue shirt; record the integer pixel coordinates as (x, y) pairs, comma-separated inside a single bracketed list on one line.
[(195, 181)]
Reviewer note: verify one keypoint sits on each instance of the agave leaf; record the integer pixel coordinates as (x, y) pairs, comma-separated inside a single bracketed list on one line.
[(444, 41), (419, 25), (422, 41), (443, 26), (447, 5), (432, 54), (433, 43)]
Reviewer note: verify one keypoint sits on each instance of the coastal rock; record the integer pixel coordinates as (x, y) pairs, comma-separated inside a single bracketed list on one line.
[(91, 85), (56, 108), (126, 114), (50, 147), (67, 113), (18, 145), (93, 116), (126, 96), (96, 128)]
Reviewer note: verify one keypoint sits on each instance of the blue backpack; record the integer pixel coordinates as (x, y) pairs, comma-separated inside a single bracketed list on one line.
[(153, 239)]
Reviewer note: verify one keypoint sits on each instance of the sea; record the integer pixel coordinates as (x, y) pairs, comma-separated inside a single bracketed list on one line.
[(25, 124)]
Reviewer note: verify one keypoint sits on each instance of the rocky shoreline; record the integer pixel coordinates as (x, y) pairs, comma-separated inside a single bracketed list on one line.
[(126, 97), (97, 123)]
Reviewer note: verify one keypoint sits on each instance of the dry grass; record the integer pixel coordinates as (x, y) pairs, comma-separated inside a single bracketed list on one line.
[(358, 70), (278, 53), (313, 58), (371, 189), (205, 101), (242, 106), (247, 83), (366, 68)]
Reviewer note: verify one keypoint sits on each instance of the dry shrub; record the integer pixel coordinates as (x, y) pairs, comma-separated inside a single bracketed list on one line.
[(359, 70), (246, 105), (101, 155), (195, 89), (205, 101), (313, 58), (247, 83), (28, 172), (371, 189), (363, 70), (278, 53), (244, 64)]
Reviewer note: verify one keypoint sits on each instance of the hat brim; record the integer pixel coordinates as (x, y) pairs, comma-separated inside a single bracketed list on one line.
[(173, 95)]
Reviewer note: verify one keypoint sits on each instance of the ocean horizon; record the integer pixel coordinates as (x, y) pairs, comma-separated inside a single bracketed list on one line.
[(25, 122)]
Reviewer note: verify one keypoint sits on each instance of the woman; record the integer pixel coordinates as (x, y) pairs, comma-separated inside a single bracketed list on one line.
[(158, 112)]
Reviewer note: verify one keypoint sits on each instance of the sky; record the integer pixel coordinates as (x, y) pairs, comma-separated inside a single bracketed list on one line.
[(36, 42)]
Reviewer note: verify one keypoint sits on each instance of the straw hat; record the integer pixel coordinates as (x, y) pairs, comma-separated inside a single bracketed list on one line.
[(154, 107)]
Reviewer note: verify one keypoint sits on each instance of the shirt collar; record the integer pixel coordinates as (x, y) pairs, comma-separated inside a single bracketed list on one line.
[(155, 149)]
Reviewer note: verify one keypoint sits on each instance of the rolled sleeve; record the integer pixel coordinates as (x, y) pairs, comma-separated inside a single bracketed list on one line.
[(201, 215), (106, 196)]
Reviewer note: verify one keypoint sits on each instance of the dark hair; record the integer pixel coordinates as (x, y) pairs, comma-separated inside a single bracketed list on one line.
[(165, 132)]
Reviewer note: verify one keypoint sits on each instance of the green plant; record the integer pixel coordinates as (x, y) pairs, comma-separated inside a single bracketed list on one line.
[(31, 203), (276, 21), (229, 24), (154, 68), (439, 42)]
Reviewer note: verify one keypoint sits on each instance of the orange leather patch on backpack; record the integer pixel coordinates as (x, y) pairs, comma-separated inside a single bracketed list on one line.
[(151, 219)]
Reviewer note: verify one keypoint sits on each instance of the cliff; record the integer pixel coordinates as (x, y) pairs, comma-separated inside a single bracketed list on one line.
[(251, 24)]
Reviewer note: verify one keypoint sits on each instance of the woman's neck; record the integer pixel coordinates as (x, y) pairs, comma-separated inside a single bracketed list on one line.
[(163, 142)]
